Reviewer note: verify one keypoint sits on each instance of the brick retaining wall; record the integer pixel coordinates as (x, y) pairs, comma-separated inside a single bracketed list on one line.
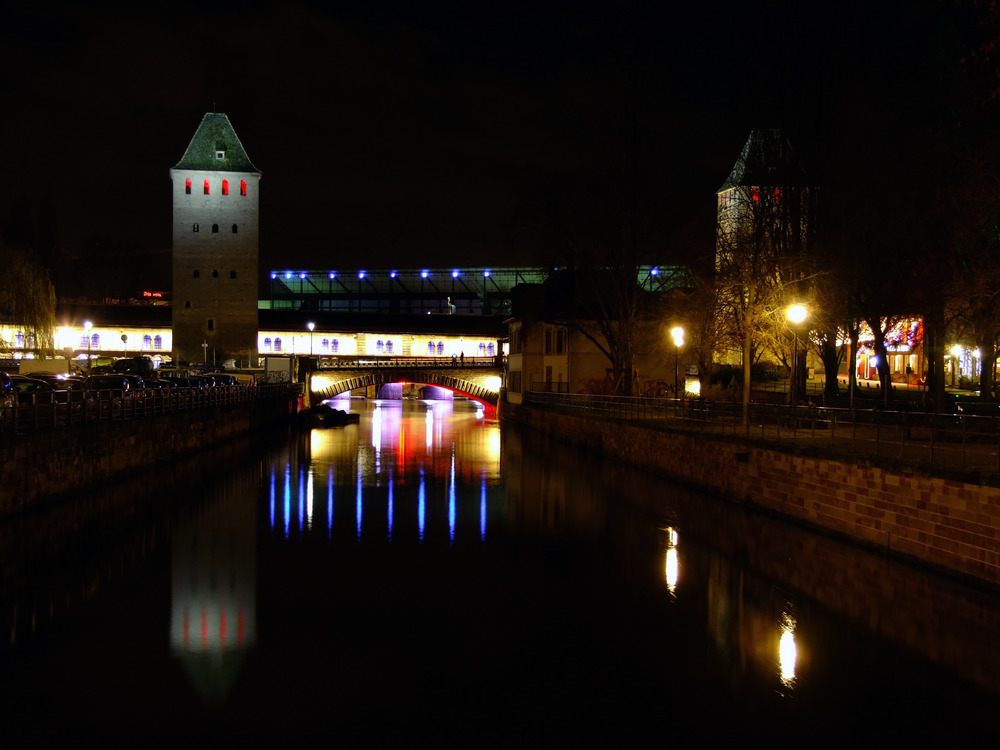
[(947, 523), (50, 464)]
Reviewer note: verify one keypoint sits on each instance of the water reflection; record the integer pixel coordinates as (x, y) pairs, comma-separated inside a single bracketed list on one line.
[(534, 602), (374, 464)]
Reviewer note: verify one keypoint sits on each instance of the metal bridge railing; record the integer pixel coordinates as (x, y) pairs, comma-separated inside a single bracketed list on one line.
[(941, 441)]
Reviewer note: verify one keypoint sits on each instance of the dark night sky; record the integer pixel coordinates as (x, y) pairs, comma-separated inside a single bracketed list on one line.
[(422, 134)]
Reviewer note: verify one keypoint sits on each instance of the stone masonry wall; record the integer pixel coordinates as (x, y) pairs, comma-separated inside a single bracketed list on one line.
[(946, 523), (46, 465)]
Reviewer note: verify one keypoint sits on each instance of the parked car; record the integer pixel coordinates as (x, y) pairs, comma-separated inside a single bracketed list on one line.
[(32, 390)]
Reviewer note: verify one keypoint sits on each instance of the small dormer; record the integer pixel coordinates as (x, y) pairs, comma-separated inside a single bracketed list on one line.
[(220, 151)]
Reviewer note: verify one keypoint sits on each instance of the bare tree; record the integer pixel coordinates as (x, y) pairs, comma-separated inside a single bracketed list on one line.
[(762, 225)]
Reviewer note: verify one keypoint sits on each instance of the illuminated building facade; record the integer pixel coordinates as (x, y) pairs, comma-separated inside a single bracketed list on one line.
[(215, 246)]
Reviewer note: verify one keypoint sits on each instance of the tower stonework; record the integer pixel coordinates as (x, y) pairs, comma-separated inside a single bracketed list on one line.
[(215, 247)]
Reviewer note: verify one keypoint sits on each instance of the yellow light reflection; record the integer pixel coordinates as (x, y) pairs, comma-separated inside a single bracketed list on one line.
[(672, 569), (493, 444), (492, 383), (672, 565), (787, 651)]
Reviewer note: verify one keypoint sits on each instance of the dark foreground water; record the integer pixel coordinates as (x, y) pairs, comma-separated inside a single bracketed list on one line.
[(428, 578)]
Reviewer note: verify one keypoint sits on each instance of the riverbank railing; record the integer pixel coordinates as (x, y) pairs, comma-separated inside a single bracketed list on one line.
[(965, 442), (65, 409)]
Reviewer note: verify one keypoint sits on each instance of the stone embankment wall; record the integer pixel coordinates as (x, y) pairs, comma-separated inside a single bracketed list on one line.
[(950, 524), (47, 465)]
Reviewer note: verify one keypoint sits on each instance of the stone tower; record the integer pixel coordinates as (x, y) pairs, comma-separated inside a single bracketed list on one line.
[(215, 247)]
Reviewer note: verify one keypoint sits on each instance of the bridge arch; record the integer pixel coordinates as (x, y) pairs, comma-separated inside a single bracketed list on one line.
[(329, 384)]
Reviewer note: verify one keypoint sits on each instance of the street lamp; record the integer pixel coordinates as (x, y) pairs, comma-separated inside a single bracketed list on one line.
[(311, 326), (87, 325), (796, 315), (678, 333)]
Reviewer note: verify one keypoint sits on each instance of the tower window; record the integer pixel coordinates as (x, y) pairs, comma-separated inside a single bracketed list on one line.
[(267, 343), (215, 274), (187, 305), (158, 342), (210, 323), (207, 191), (335, 346), (225, 187), (215, 229), (147, 342), (232, 274), (187, 186), (220, 154), (234, 229), (195, 227), (277, 344), (197, 274), (388, 347), (325, 345), (243, 187)]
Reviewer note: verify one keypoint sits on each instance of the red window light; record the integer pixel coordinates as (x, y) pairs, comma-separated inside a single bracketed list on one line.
[(187, 186), (243, 187), (756, 193), (207, 192), (225, 187)]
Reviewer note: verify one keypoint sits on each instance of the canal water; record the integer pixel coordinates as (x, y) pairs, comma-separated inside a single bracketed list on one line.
[(428, 576)]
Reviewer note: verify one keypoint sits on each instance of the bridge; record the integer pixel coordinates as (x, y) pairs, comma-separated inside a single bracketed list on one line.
[(478, 378)]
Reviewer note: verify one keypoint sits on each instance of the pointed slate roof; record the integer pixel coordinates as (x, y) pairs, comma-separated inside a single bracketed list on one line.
[(767, 160), (215, 134)]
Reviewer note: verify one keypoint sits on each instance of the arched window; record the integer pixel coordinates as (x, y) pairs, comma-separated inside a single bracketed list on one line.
[(195, 227), (440, 348), (215, 274), (379, 346), (95, 341), (215, 229), (225, 187), (234, 229), (335, 346), (232, 274), (207, 192), (187, 186), (147, 342), (324, 345), (267, 343), (157, 342), (84, 341), (243, 187), (482, 349), (490, 349), (388, 347), (430, 347), (277, 343), (29, 340), (197, 273), (19, 340)]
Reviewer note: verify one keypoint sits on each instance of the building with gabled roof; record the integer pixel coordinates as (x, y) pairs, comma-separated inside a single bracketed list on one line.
[(215, 246)]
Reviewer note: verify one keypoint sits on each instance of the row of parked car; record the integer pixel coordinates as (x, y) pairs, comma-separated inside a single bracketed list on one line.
[(48, 388)]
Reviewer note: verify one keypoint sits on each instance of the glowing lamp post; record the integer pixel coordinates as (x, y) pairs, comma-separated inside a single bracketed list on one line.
[(311, 326), (796, 316), (87, 325), (678, 333)]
